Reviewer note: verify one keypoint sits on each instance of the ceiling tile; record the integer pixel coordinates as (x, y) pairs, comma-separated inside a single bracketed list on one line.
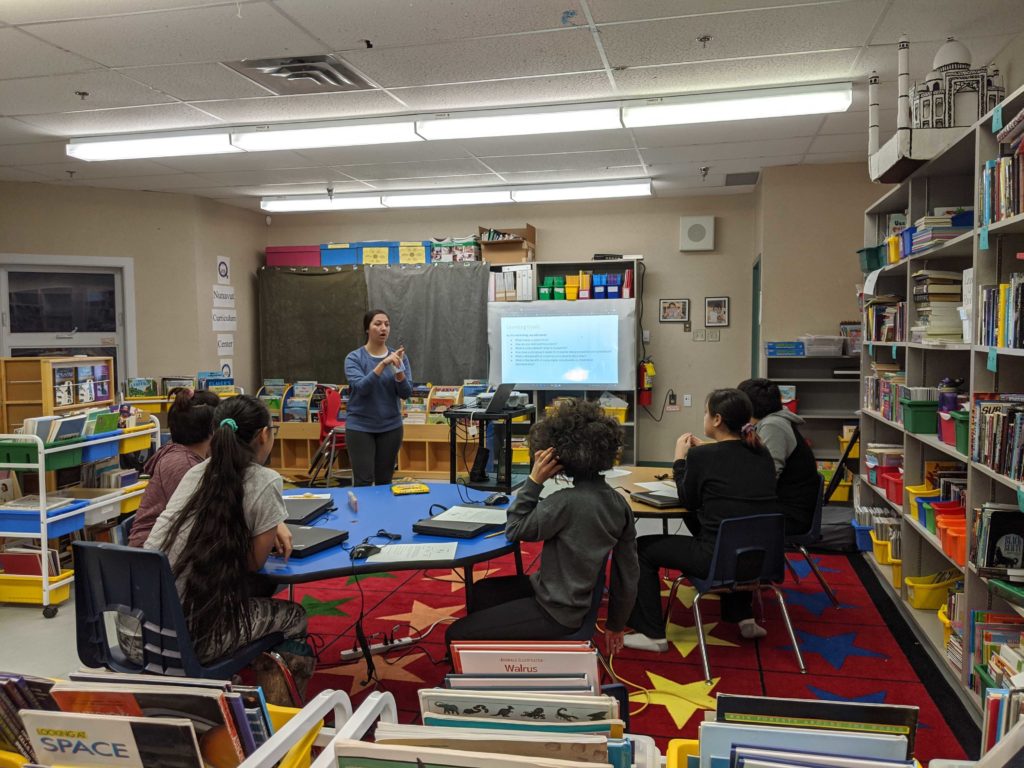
[(16, 132), (550, 177), (742, 73), (218, 33), (43, 95), (439, 182), (28, 11), (24, 56), (37, 153), (839, 157), (842, 142), (616, 10), (406, 22), (322, 106), (161, 183), (553, 142), (738, 131), (707, 152), (408, 152), (217, 192), (372, 171), (236, 161), (775, 31), (852, 122), (935, 19), (20, 174), (567, 161), (113, 169), (501, 93), (543, 53), (673, 186), (157, 118), (196, 82), (277, 176), (882, 58), (720, 167), (261, 190)]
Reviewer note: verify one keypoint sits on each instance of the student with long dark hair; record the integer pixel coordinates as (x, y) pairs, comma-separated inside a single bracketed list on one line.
[(219, 528), (730, 477), (580, 526), (190, 419), (379, 378)]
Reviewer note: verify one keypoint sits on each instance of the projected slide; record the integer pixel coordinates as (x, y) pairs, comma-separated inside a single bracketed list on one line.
[(560, 350)]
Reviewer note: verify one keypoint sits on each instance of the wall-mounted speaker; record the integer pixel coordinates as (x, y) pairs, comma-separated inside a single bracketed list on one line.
[(697, 233)]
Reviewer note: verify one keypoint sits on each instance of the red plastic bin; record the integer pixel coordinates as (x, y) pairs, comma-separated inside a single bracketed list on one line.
[(947, 428), (894, 487)]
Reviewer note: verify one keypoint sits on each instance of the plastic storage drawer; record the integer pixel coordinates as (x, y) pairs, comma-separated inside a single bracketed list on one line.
[(924, 594), (131, 443), (823, 346), (23, 452), (962, 421), (92, 451), (29, 589), (881, 549), (862, 535), (130, 505), (27, 520), (947, 428), (920, 417)]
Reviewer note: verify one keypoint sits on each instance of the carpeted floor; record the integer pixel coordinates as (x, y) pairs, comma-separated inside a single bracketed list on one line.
[(861, 652)]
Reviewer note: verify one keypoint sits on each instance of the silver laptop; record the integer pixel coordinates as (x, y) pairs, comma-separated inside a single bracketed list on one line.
[(500, 398)]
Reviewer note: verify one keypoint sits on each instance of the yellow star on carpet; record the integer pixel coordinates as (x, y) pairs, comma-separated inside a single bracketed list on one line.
[(684, 594), (685, 638), (385, 671), (681, 700), (422, 616), (455, 577)]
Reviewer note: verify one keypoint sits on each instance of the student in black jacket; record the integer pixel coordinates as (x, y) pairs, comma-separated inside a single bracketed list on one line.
[(730, 477)]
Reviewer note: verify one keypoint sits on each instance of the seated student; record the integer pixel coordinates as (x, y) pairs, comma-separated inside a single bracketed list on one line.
[(190, 419), (796, 471), (579, 527), (730, 477), (219, 528)]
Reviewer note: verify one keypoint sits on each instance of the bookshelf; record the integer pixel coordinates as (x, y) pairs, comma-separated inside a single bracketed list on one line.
[(45, 386), (953, 178)]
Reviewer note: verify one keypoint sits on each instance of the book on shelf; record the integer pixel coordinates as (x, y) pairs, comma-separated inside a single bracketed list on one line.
[(68, 428), (551, 683), (99, 421), (521, 705), (170, 383), (997, 432), (28, 561), (531, 657), (10, 488), (362, 754), (33, 503)]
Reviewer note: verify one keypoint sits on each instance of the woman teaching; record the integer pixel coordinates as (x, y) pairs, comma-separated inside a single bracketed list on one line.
[(378, 378)]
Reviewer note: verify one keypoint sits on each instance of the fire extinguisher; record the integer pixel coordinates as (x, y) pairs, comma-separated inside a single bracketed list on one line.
[(645, 382)]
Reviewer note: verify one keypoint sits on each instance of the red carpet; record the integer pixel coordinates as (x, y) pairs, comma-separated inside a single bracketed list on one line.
[(850, 653)]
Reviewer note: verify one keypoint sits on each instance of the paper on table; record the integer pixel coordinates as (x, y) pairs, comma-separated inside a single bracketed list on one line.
[(394, 553), (660, 488), (307, 496), (488, 515), (608, 474)]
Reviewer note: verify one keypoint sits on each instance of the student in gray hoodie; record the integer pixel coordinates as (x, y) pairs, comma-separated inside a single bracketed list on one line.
[(796, 470)]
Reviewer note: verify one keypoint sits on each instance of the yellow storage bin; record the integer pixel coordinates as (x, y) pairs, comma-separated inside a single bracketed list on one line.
[(130, 505), (11, 760), (521, 455), (29, 589), (130, 444), (897, 574), (854, 454), (912, 492), (922, 593), (947, 625), (299, 755), (881, 549), (842, 491), (619, 414)]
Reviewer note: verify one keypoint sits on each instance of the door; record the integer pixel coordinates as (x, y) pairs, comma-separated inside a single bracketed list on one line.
[(755, 333)]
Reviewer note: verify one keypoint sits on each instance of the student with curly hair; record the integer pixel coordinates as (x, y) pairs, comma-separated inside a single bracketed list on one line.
[(219, 528), (579, 526), (190, 419), (730, 477)]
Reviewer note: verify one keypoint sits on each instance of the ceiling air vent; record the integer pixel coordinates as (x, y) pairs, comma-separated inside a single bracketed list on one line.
[(741, 179), (301, 74)]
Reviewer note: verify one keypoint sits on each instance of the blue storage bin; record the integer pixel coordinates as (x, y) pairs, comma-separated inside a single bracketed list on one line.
[(862, 535), (339, 255), (784, 349), (907, 241), (98, 452), (27, 521), (921, 500)]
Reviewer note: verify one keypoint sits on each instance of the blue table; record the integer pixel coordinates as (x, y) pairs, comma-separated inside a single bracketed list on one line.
[(379, 508)]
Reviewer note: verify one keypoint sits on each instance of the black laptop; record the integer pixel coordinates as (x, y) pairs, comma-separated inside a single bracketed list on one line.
[(500, 398), (303, 510), (657, 500), (308, 540)]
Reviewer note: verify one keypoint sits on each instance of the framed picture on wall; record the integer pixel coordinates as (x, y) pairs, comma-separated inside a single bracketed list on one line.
[(716, 312), (674, 310)]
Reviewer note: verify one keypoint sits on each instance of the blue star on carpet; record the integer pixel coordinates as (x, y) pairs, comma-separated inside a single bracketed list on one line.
[(803, 570), (834, 649), (878, 697), (813, 602)]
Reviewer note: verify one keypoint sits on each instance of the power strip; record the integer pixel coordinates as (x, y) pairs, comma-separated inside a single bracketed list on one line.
[(376, 648)]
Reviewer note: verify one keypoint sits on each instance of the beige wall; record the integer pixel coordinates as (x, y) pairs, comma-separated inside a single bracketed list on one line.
[(172, 239), (1010, 63), (575, 231)]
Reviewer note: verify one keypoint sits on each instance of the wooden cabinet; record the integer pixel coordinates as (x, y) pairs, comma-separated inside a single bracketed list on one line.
[(47, 386)]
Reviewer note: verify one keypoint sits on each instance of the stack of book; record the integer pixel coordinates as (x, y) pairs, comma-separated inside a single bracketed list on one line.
[(885, 318), (997, 432), (932, 231), (937, 294)]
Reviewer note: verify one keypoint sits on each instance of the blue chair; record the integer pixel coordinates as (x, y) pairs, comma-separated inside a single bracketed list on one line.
[(749, 556), (589, 625), (120, 586), (800, 542)]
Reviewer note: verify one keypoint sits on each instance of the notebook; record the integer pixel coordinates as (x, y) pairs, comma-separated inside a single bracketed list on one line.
[(659, 500), (302, 510), (308, 540)]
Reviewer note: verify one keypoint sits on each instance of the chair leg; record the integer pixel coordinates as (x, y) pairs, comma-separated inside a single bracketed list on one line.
[(672, 597), (792, 570), (821, 579), (330, 462), (607, 666), (289, 680), (789, 628), (700, 639)]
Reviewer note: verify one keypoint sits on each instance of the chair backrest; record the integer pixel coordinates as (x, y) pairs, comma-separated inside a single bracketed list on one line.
[(121, 588), (329, 409), (586, 630), (814, 533), (749, 549)]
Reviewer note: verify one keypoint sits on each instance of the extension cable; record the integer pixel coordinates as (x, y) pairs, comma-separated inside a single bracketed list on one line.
[(357, 653)]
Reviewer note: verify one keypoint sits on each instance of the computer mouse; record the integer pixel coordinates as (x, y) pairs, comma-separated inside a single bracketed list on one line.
[(363, 551), (495, 499)]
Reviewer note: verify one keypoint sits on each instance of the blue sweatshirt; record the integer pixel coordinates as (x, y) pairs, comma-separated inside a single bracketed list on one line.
[(374, 403)]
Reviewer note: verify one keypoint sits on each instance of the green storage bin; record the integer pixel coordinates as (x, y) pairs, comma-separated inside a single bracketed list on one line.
[(920, 417), (544, 292), (963, 430), (18, 452), (929, 517), (872, 258)]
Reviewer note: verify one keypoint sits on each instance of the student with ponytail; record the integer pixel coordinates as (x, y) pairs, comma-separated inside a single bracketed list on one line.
[(190, 419), (218, 529), (733, 476)]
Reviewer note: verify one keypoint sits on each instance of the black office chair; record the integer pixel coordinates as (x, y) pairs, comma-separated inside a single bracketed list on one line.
[(118, 586), (749, 554), (800, 542)]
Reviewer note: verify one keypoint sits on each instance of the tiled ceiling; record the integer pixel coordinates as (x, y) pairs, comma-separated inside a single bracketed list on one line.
[(156, 65)]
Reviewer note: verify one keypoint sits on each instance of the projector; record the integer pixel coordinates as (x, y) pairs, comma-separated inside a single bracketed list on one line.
[(518, 399)]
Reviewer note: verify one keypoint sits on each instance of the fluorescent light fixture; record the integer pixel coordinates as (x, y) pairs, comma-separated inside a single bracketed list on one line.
[(739, 105), (509, 122), (344, 133), (141, 145), (478, 196), (294, 203), (582, 191)]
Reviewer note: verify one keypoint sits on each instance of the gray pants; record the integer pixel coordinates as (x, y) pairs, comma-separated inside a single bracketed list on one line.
[(373, 455)]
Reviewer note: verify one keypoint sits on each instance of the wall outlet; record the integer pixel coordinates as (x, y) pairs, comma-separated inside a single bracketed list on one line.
[(646, 336), (698, 335), (671, 398), (672, 404), (714, 335), (688, 400), (473, 430)]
